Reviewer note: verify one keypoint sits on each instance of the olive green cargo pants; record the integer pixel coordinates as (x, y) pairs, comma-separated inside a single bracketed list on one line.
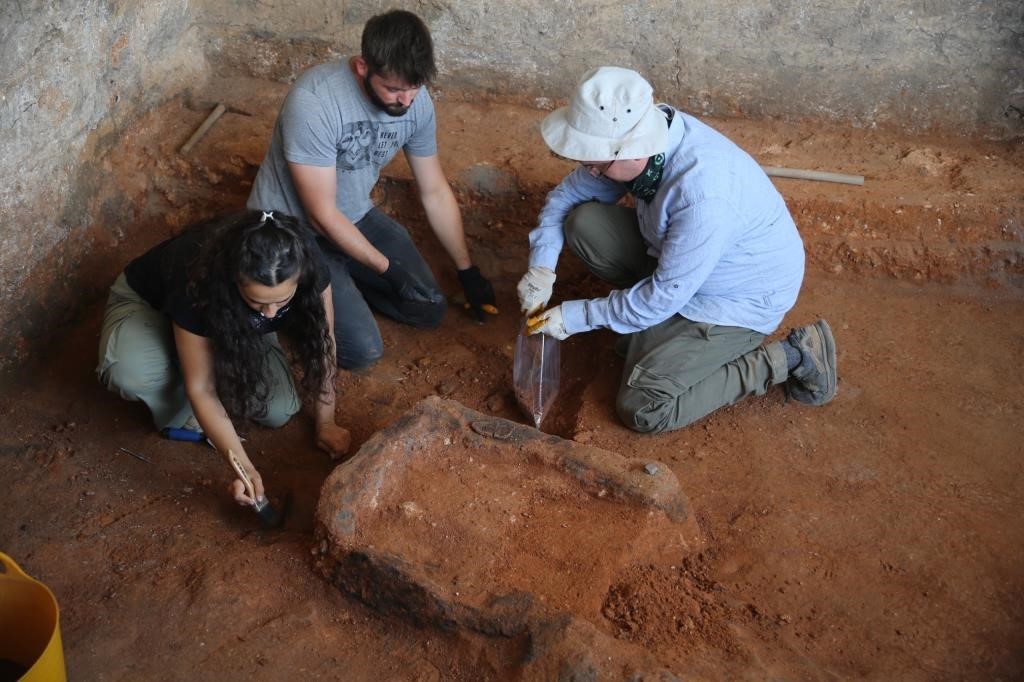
[(678, 371)]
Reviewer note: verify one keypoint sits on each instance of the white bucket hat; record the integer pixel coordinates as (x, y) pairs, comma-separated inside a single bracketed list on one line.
[(611, 116)]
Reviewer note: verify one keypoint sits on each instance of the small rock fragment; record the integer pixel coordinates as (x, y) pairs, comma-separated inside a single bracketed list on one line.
[(412, 509), (651, 468), (496, 402)]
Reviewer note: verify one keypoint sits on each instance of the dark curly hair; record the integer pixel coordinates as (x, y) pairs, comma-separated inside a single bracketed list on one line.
[(244, 246), (398, 43)]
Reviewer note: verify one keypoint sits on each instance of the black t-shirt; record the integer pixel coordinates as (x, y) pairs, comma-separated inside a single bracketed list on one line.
[(161, 277)]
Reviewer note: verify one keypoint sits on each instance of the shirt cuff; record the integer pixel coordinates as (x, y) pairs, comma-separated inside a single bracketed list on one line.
[(545, 257), (574, 317), (307, 160)]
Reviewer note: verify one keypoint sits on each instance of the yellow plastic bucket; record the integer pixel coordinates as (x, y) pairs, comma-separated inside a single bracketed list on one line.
[(29, 627)]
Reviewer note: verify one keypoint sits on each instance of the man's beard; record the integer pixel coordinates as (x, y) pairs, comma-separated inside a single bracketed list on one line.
[(389, 109)]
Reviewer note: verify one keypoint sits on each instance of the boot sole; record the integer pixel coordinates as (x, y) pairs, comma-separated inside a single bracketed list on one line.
[(828, 344)]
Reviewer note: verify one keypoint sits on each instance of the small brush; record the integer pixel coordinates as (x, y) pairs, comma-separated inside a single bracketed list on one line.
[(269, 515)]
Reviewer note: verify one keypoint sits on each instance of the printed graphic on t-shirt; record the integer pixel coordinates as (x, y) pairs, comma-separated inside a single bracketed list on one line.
[(356, 142), (366, 142)]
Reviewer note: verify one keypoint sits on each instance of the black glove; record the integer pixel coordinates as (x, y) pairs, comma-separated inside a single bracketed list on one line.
[(408, 286), (479, 292)]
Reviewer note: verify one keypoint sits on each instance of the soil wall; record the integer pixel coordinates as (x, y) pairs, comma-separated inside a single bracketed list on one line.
[(910, 64), (73, 75)]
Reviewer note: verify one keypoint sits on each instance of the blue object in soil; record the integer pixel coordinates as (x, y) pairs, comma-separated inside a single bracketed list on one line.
[(172, 433)]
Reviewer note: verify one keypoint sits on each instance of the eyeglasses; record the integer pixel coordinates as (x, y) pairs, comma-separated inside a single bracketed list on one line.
[(596, 169)]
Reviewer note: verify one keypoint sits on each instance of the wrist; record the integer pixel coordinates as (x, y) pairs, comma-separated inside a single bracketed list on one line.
[(575, 318), (468, 273), (324, 419), (324, 415)]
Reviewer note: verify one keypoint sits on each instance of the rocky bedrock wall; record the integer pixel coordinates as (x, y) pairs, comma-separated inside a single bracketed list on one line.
[(73, 74), (912, 64)]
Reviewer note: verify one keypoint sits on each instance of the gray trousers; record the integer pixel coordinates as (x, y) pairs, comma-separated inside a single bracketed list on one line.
[(680, 370), (139, 361)]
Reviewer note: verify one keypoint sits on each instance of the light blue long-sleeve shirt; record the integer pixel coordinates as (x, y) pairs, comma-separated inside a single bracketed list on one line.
[(727, 248)]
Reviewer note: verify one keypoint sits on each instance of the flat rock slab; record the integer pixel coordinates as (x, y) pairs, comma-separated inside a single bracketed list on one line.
[(459, 519)]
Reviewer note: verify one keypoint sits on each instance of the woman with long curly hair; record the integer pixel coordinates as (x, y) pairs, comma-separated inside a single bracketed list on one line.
[(191, 326)]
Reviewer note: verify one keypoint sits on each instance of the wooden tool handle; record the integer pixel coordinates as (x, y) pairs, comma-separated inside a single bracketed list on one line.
[(246, 481), (201, 130)]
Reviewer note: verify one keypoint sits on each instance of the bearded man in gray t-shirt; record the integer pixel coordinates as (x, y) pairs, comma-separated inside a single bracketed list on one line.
[(339, 125)]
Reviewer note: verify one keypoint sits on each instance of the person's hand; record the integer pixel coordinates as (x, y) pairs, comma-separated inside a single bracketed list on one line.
[(549, 322), (333, 439), (238, 491), (479, 293), (535, 289), (408, 286)]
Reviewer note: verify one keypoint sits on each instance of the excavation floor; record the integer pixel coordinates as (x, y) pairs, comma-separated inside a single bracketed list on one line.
[(876, 537)]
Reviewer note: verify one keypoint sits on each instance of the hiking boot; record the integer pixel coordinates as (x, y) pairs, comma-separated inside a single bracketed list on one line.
[(813, 381)]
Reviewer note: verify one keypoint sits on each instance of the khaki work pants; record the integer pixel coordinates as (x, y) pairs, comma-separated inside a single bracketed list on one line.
[(680, 370)]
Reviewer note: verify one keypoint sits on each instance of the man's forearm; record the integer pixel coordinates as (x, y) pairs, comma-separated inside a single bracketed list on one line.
[(333, 225), (446, 221), (317, 190)]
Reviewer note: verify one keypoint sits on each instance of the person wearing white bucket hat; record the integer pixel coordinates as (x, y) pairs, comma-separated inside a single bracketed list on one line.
[(705, 266), (611, 116)]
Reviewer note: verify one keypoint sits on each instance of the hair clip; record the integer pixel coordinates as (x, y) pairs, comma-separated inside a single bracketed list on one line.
[(266, 216)]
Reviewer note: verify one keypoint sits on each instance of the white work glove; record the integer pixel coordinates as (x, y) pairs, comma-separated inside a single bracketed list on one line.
[(535, 289), (549, 322)]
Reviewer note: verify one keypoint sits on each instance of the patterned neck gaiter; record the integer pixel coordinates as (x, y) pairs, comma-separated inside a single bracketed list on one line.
[(645, 185)]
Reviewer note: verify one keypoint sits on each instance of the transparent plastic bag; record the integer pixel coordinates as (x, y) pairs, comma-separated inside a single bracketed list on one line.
[(535, 374)]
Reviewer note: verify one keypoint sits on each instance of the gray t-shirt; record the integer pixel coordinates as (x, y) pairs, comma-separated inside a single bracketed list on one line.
[(326, 120)]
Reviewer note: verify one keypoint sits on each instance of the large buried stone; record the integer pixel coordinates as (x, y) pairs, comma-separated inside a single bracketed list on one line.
[(459, 519)]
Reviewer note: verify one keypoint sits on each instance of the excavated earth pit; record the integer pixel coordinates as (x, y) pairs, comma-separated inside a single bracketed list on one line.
[(877, 537)]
